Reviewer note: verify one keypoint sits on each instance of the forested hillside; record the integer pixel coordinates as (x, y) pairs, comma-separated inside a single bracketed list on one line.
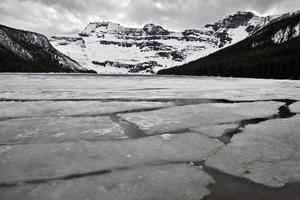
[(271, 52), (23, 51)]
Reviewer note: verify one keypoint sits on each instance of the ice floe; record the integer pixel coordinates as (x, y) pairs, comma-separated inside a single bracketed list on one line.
[(36, 161), (200, 117), (216, 130), (176, 182), (266, 153), (57, 129), (70, 108), (295, 107)]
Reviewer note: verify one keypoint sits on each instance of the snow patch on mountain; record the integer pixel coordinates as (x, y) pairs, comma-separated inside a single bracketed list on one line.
[(286, 34), (35, 47)]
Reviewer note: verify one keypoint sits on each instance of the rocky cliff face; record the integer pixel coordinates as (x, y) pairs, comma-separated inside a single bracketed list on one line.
[(23, 51), (111, 48)]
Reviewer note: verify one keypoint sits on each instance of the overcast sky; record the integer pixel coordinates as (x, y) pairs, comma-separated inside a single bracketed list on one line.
[(52, 17)]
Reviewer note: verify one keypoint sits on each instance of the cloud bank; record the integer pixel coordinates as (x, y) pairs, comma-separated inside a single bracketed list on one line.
[(52, 17)]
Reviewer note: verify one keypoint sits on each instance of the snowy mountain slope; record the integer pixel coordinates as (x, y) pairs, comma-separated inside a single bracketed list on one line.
[(111, 48), (272, 51), (23, 51), (280, 30)]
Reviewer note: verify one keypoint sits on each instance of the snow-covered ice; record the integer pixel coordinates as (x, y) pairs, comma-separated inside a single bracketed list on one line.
[(58, 129), (295, 107), (176, 182), (36, 161), (78, 136), (200, 116), (20, 86), (71, 108), (215, 130), (266, 153)]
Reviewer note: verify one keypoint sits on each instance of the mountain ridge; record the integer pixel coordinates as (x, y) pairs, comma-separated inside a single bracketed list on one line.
[(273, 51), (26, 51), (108, 47)]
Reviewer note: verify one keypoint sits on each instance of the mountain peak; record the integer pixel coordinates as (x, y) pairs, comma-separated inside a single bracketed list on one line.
[(244, 13), (151, 25), (280, 61), (153, 29), (239, 18), (104, 23), (151, 47), (100, 26)]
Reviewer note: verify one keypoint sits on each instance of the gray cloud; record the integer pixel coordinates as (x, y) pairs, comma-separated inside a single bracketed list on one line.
[(52, 17)]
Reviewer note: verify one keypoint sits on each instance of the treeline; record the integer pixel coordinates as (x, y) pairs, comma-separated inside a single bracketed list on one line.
[(267, 60), (10, 62), (278, 62), (23, 51)]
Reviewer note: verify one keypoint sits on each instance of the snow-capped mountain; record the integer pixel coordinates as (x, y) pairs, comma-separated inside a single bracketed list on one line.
[(271, 51), (23, 51), (111, 48), (279, 30)]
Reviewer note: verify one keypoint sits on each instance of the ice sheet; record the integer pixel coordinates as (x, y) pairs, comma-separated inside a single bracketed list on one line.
[(60, 125), (70, 108), (216, 130), (34, 161), (266, 153), (61, 129), (176, 182), (201, 116), (295, 107), (39, 86)]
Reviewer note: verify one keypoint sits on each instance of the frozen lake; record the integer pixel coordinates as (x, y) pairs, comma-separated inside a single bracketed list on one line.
[(79, 137)]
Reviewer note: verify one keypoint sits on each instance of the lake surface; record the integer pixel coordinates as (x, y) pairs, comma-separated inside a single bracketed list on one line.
[(79, 136)]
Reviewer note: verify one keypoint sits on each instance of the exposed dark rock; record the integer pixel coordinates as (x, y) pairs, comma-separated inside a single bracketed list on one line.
[(178, 56), (121, 44), (163, 54), (231, 22), (83, 34), (249, 29), (152, 29), (133, 68)]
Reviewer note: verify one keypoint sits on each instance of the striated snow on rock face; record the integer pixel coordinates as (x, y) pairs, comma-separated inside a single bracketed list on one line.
[(286, 34), (277, 33), (108, 47)]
